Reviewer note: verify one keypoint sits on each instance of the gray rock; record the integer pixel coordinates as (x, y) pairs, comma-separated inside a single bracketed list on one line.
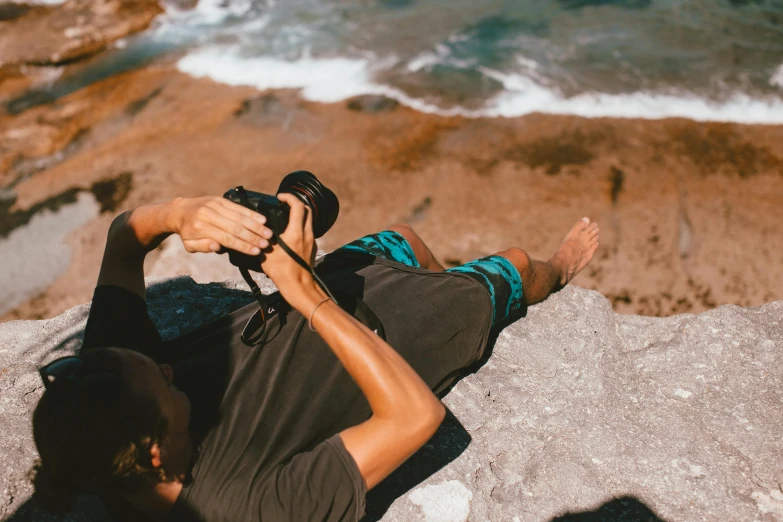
[(265, 110), (12, 10), (578, 414), (372, 103)]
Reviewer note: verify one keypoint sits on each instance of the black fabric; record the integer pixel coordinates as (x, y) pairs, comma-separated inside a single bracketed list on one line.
[(118, 318), (267, 417), (253, 333)]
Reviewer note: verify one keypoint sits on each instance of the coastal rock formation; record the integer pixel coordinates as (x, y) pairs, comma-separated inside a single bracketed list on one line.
[(578, 412), (77, 28), (688, 210)]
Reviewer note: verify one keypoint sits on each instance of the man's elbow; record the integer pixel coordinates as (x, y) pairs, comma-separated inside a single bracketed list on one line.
[(122, 244), (430, 419), (438, 414), (118, 225), (415, 420)]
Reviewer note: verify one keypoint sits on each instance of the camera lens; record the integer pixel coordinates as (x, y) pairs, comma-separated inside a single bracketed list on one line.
[(315, 195)]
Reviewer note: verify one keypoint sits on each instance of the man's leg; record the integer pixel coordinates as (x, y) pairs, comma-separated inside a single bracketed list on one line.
[(539, 278), (420, 250)]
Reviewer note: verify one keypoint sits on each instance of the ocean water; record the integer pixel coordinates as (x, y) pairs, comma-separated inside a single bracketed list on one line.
[(701, 59)]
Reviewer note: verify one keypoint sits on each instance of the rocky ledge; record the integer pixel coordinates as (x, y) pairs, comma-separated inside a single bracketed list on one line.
[(51, 35), (578, 414)]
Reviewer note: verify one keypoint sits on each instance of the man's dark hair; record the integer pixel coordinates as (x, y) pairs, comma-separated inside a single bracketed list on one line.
[(94, 434)]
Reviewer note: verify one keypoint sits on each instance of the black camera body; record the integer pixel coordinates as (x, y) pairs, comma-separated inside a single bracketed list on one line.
[(275, 211), (302, 184)]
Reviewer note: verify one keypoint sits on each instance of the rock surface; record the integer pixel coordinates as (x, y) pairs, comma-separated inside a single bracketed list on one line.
[(579, 412), (78, 28), (688, 210), (372, 103)]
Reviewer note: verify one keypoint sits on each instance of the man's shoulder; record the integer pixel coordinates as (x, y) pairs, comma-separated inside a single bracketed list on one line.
[(119, 318)]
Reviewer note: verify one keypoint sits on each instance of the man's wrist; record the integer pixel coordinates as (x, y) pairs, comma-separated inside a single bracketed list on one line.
[(152, 223), (172, 215), (304, 296)]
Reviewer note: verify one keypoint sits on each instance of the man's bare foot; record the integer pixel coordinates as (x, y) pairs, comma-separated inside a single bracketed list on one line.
[(576, 250)]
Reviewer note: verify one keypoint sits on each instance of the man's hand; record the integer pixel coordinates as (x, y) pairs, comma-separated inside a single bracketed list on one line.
[(205, 224), (287, 274)]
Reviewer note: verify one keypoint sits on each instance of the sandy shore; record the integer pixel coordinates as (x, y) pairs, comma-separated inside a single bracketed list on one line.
[(689, 211)]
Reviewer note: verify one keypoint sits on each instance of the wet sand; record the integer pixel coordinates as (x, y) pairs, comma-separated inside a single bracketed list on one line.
[(689, 211)]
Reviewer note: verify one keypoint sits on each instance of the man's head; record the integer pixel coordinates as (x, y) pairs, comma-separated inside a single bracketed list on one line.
[(115, 425)]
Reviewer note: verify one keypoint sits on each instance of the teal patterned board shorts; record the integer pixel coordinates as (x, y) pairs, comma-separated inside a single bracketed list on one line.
[(495, 273)]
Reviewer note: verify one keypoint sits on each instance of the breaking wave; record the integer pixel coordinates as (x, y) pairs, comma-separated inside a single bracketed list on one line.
[(334, 79)]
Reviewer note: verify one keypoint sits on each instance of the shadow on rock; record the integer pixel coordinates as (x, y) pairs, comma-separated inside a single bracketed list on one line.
[(184, 324), (623, 509), (447, 444)]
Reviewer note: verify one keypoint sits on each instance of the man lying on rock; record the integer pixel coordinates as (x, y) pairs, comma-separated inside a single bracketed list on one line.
[(300, 424)]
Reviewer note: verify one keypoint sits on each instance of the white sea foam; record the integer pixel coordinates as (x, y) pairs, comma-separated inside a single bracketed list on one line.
[(423, 60), (522, 96), (335, 79), (323, 80), (777, 77), (206, 21), (208, 12)]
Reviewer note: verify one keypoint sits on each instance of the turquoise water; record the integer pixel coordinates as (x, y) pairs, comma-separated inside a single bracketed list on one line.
[(453, 52), (716, 59)]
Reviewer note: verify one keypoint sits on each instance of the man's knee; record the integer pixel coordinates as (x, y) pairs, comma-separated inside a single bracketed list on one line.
[(408, 233), (420, 250), (518, 257), (404, 229)]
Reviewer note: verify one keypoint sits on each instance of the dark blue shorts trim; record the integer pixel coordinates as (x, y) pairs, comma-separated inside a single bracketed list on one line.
[(501, 279), (387, 244), (495, 273)]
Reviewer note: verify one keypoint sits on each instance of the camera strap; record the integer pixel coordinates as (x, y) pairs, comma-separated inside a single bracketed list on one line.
[(257, 293), (254, 330)]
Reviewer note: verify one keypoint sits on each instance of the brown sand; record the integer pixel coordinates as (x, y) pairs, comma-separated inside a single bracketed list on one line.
[(689, 211)]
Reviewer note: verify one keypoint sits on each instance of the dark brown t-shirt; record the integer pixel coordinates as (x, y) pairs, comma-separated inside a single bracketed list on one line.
[(268, 416)]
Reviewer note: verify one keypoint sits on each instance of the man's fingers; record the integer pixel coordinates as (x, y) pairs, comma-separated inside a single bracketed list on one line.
[(308, 228), (243, 211), (212, 222), (296, 217), (256, 223), (201, 245), (250, 219), (231, 241), (240, 231)]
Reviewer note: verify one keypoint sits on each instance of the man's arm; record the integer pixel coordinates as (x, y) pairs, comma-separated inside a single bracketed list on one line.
[(205, 224), (405, 411)]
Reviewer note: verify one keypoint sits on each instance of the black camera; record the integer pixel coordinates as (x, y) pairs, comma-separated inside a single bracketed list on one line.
[(302, 184)]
